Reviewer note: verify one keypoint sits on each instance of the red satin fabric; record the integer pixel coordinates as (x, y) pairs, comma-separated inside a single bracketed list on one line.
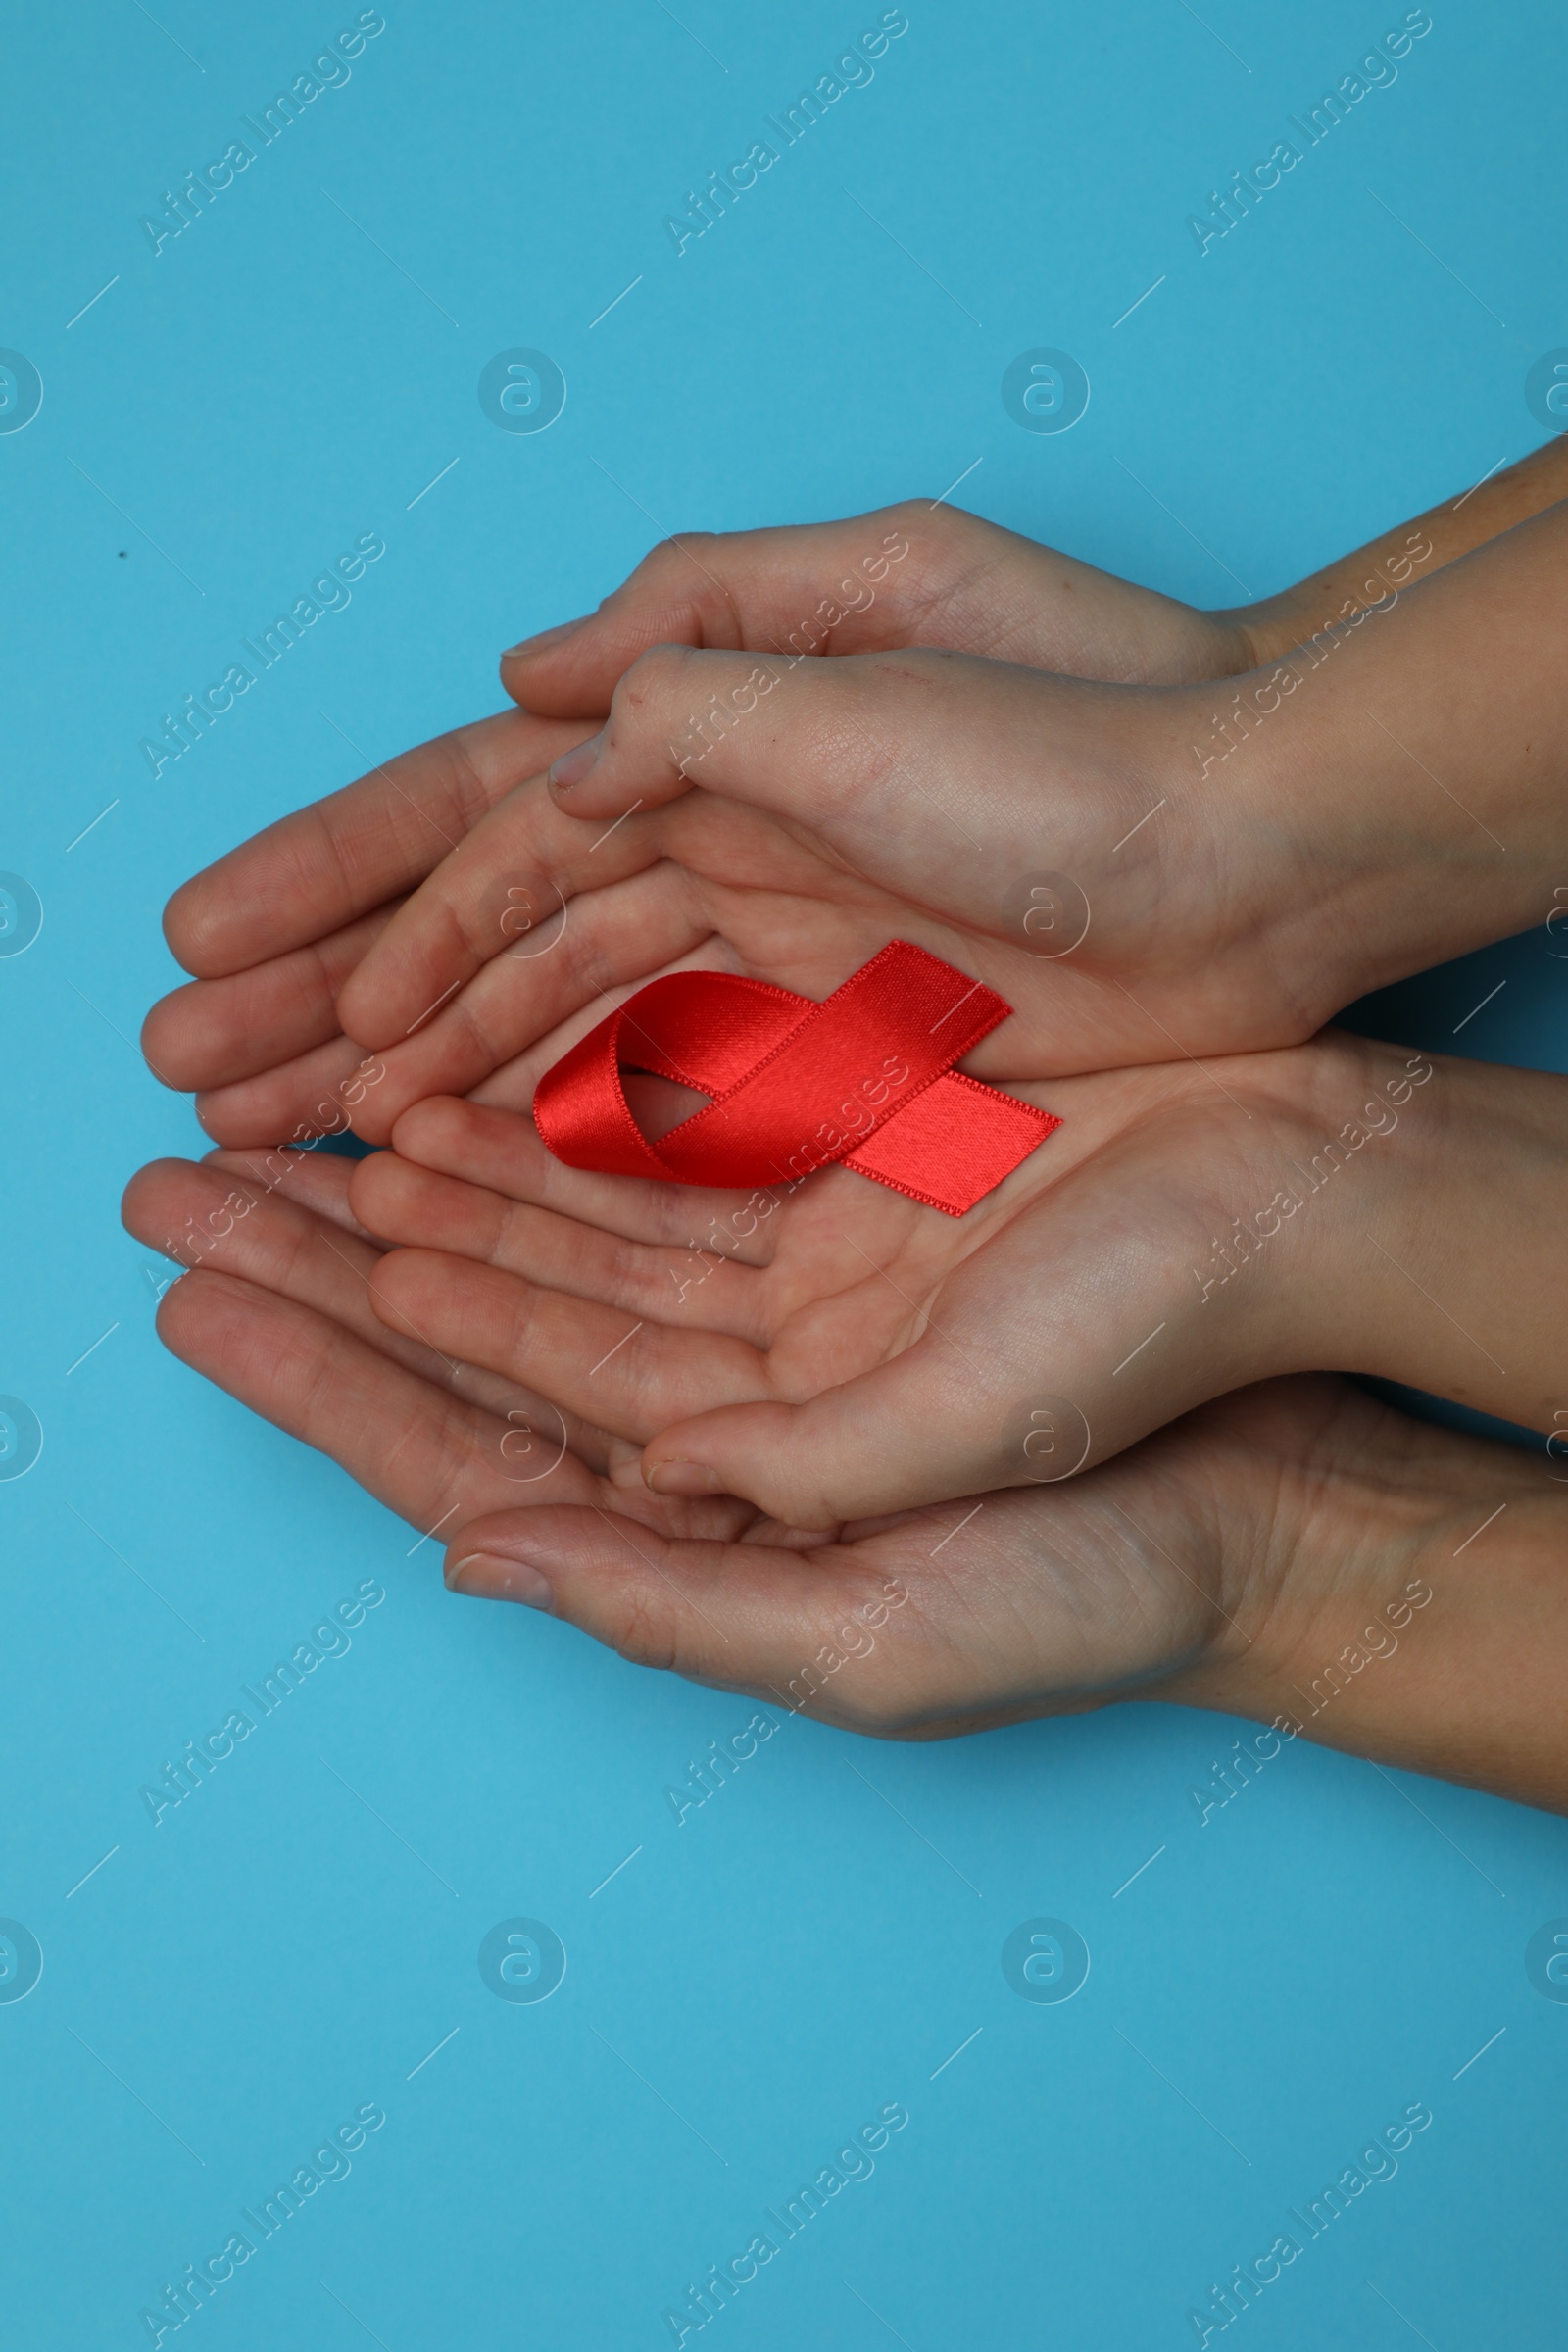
[(866, 1079)]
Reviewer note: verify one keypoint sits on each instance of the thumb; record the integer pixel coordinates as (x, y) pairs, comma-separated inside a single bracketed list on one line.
[(748, 1616), (829, 587), (909, 1434), (781, 732)]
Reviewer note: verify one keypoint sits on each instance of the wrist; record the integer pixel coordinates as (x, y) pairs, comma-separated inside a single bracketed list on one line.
[(1466, 1283), (1399, 1596), (1412, 1234), (1370, 580), (1195, 648), (1340, 840), (1321, 1511)]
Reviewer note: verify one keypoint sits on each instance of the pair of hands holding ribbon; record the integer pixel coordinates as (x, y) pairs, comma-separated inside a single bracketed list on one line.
[(725, 1431)]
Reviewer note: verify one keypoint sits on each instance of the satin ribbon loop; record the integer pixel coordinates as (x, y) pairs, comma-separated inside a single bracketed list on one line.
[(864, 1079)]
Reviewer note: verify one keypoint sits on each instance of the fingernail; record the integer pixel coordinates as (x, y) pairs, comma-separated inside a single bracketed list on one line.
[(684, 1478), (572, 767), (483, 1576), (537, 643)]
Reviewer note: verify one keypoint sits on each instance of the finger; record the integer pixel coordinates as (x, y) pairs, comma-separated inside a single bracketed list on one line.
[(917, 573), (752, 1616), (980, 1612), (328, 864), (608, 938), (432, 1458), (199, 1216), (835, 587), (202, 1217), (472, 1040), (210, 1033), (317, 1181), (213, 1033), (318, 1094), (411, 1207), (505, 890), (826, 744), (547, 911), (627, 1374), (502, 1149)]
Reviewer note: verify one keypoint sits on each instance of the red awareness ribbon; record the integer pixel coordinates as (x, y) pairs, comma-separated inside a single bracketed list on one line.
[(866, 1079)]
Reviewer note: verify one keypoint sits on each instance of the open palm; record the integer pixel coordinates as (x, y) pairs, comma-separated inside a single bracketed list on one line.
[(838, 1350), (1147, 1576), (873, 798)]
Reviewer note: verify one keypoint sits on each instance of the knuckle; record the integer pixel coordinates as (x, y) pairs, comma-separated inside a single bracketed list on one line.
[(669, 557), (645, 1635), (649, 682)]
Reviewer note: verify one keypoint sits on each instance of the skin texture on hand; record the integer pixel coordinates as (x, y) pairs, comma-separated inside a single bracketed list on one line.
[(1451, 529), (1242, 1559), (833, 1350), (1201, 899), (970, 587), (272, 930)]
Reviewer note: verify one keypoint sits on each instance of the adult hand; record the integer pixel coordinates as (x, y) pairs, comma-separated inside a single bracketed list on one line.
[(1252, 1558), (274, 929), (279, 1308), (971, 587), (1130, 892), (1267, 1557), (834, 1349)]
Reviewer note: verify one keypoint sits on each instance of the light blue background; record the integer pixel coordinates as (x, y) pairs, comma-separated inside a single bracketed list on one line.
[(272, 384)]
